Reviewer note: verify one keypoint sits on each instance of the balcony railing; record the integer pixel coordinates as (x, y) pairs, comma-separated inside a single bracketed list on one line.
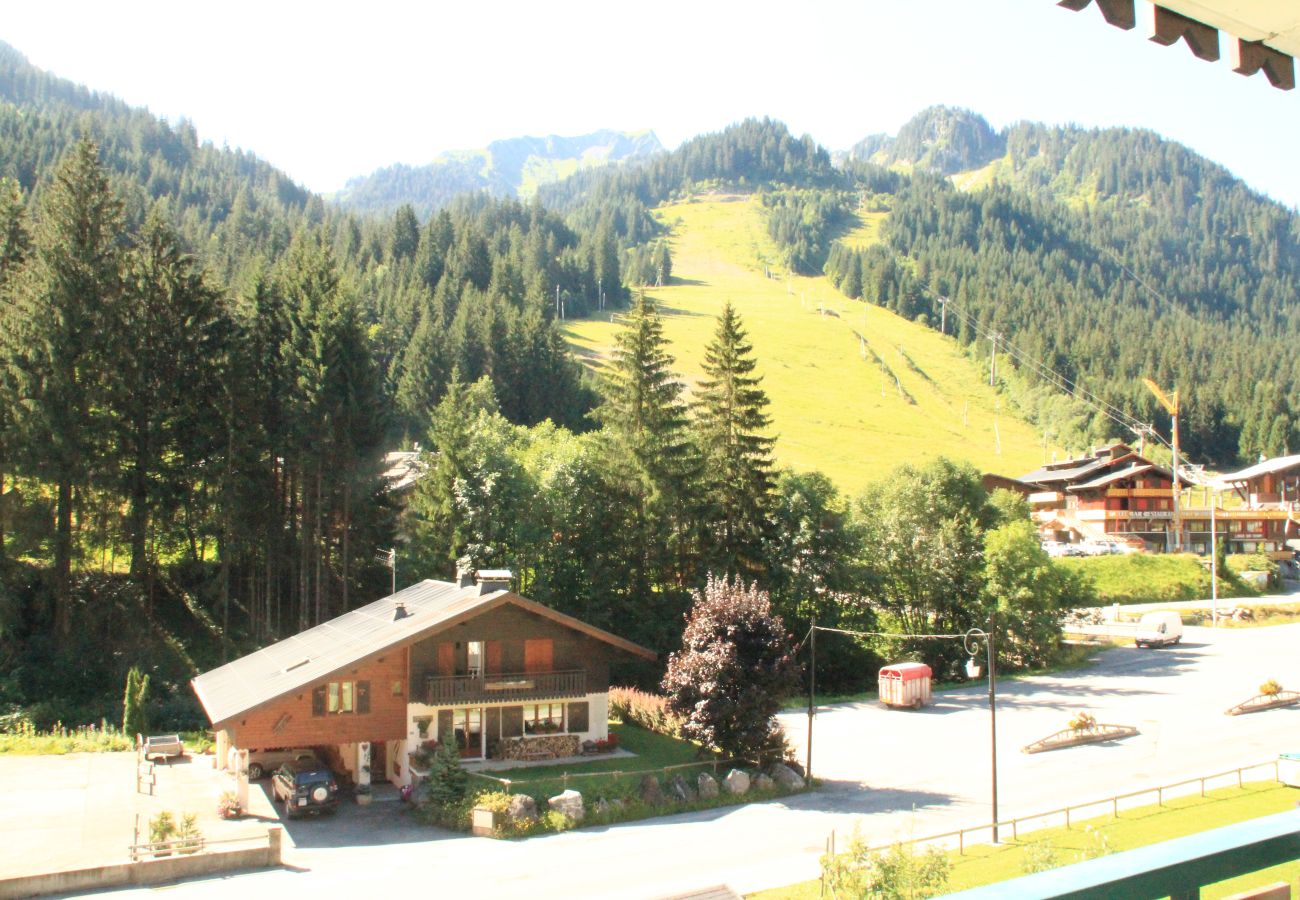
[(443, 689)]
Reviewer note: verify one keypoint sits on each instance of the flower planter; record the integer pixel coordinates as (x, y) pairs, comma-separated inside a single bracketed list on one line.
[(1073, 737), (484, 822), (1264, 701)]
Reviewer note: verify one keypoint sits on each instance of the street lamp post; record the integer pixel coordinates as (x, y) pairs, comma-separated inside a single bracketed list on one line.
[(973, 670)]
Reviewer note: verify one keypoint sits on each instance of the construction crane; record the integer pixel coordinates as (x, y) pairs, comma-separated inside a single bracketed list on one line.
[(1170, 403)]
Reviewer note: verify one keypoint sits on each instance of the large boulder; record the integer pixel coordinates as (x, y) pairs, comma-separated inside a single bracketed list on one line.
[(736, 782), (680, 790), (787, 777), (708, 786), (650, 792), (763, 782), (522, 808), (568, 802)]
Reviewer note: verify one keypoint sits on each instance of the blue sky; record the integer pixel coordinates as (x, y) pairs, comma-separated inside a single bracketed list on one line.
[(327, 91)]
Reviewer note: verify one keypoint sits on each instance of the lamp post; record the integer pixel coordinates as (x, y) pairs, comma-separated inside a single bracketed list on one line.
[(973, 670)]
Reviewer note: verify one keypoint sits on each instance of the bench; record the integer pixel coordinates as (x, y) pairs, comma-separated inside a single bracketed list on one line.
[(535, 755)]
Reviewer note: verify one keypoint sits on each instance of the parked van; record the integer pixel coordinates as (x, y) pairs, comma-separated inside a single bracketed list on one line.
[(1158, 629)]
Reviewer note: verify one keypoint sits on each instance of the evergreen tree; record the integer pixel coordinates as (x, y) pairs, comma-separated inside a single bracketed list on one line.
[(15, 243), (62, 345), (650, 453), (737, 456), (174, 340), (134, 720)]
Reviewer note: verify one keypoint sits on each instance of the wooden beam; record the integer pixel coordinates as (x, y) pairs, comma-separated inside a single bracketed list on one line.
[(1249, 57), (1168, 27), (1119, 13)]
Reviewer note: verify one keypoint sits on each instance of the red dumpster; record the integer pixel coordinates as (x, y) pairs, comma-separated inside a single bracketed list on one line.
[(905, 684)]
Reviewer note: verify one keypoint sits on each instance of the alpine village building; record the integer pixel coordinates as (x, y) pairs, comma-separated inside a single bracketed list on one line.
[(501, 675), (1113, 493)]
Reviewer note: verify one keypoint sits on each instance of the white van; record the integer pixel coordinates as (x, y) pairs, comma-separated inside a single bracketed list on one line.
[(1158, 629)]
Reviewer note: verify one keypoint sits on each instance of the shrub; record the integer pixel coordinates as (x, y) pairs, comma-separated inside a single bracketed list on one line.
[(899, 873), (646, 710), (735, 665)]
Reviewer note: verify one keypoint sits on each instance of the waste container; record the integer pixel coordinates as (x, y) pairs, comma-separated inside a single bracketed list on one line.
[(905, 684), (1288, 768)]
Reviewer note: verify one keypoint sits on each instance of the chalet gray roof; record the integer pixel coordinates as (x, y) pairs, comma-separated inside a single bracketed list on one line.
[(1266, 467), (1047, 474), (311, 655), (1117, 475)]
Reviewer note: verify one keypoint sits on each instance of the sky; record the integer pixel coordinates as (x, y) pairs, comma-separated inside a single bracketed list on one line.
[(328, 91)]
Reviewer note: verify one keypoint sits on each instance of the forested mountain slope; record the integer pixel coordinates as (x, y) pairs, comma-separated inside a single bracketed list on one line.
[(506, 168), (1110, 255)]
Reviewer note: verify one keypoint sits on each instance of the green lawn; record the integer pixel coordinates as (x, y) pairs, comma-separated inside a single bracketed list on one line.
[(1150, 578), (653, 752), (834, 408), (987, 864)]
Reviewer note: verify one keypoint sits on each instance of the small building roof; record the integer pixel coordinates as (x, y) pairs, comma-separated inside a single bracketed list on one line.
[(402, 469), (1118, 475), (1267, 467), (311, 655), (1047, 474)]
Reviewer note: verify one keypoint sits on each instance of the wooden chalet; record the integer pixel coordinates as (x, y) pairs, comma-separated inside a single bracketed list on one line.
[(471, 661)]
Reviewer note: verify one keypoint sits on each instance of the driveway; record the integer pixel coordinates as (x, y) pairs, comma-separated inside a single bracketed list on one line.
[(80, 810), (890, 773)]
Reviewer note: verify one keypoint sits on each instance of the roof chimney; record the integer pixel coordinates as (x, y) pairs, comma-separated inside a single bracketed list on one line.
[(400, 611), (494, 580), (464, 574)]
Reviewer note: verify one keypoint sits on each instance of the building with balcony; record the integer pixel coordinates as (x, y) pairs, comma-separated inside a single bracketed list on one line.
[(468, 661), (1111, 494)]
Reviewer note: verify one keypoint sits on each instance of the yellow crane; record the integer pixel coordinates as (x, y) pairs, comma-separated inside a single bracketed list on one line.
[(1170, 403)]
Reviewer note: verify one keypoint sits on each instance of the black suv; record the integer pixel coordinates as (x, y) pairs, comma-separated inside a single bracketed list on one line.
[(305, 785)]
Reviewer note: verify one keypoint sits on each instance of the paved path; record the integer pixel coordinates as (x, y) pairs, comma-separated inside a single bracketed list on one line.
[(891, 773)]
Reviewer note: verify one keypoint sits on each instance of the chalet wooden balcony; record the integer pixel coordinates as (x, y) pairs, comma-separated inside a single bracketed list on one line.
[(507, 686)]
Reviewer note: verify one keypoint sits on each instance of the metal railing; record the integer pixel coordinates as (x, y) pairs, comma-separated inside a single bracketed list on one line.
[(1100, 807), (505, 686), (188, 846)]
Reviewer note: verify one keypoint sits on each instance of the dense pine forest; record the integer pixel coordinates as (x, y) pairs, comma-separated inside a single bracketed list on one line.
[(202, 364)]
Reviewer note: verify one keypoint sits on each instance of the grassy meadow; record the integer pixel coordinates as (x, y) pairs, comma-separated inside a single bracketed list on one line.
[(855, 390)]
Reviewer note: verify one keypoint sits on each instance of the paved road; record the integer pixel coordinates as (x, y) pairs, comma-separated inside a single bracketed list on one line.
[(889, 772)]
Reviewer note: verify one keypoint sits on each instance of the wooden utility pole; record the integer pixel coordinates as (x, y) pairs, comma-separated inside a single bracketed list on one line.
[(1170, 403)]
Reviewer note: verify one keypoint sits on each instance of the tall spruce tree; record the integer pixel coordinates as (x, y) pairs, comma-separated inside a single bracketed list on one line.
[(63, 341), (15, 243), (730, 421), (650, 452), (174, 338)]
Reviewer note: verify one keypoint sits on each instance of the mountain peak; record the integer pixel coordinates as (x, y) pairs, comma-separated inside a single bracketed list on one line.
[(940, 139)]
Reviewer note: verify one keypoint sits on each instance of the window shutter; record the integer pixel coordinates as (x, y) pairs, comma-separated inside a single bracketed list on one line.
[(538, 655), (318, 701), (363, 697), (493, 661), (446, 658)]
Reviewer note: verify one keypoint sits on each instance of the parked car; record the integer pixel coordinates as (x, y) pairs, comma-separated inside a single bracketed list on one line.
[(264, 762), (1158, 629), (305, 786)]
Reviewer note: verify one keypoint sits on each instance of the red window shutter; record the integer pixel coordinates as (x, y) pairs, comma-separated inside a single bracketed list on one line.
[(493, 661), (538, 655), (446, 659)]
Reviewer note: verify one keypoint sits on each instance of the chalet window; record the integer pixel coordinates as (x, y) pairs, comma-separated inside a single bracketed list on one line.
[(539, 654), (544, 718), (340, 698), (578, 716), (475, 654)]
